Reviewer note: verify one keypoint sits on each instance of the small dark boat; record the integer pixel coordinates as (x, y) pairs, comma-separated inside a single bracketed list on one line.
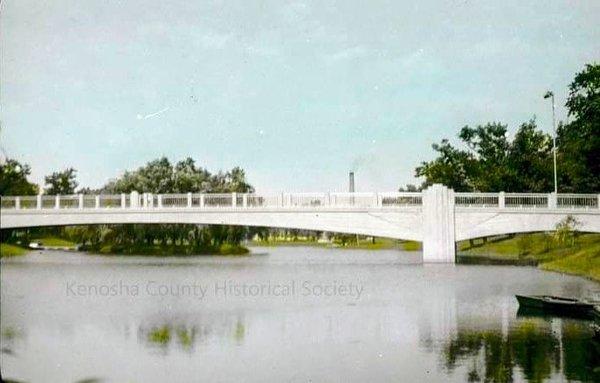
[(554, 304)]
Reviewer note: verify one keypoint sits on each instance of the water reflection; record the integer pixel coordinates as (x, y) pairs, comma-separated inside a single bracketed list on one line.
[(533, 349), (412, 323), (10, 335), (186, 337), (165, 336)]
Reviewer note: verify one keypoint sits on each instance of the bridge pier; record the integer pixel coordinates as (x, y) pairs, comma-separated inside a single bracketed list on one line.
[(438, 224)]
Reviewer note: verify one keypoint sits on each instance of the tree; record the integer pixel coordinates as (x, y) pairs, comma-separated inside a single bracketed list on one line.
[(566, 231), (62, 182), (190, 178), (579, 141), (489, 143), (451, 167), (530, 160), (493, 162), (13, 179), (160, 176), (410, 188)]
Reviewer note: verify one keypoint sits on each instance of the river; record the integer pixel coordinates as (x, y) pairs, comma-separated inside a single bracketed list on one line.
[(291, 314)]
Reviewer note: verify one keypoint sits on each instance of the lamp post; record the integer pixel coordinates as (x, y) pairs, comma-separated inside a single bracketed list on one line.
[(550, 94)]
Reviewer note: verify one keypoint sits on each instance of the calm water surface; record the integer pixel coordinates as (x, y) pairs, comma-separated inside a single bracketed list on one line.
[(284, 314)]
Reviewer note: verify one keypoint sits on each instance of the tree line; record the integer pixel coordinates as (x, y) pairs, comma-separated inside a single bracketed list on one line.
[(490, 160), (157, 176)]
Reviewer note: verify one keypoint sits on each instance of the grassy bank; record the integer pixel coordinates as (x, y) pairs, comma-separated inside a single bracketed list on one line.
[(365, 244), (52, 241), (579, 258), (8, 250), (168, 250)]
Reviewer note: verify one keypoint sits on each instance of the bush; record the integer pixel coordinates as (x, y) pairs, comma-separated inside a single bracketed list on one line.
[(229, 249), (524, 245), (566, 231)]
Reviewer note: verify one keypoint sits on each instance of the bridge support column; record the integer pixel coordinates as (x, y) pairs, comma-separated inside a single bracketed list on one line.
[(438, 224)]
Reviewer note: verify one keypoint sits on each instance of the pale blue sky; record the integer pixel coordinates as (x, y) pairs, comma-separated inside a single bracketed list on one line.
[(296, 93)]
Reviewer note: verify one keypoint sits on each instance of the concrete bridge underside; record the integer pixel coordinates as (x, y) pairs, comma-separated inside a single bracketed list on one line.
[(399, 224), (392, 224)]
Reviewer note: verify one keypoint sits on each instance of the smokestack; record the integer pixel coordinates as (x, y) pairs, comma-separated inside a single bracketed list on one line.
[(351, 184)]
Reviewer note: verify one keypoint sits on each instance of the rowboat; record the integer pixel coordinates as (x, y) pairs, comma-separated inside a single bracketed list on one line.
[(555, 304)]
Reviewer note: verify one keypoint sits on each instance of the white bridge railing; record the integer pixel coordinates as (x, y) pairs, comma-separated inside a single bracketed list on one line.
[(136, 200), (528, 200)]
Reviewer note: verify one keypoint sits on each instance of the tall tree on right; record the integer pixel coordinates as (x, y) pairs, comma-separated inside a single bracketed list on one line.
[(579, 140)]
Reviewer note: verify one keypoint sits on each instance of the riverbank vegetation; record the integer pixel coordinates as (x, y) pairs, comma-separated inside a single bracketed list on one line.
[(293, 237), (9, 250), (580, 257), (54, 241), (157, 176)]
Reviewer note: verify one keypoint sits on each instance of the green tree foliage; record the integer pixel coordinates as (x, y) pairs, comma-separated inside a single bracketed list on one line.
[(579, 140), (451, 168), (566, 231), (160, 176), (530, 160), (492, 162), (13, 179), (62, 182)]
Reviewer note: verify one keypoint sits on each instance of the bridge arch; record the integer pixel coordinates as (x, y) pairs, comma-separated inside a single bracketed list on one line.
[(477, 224), (393, 224)]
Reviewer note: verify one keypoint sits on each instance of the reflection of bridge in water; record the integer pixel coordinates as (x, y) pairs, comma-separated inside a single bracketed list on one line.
[(437, 216)]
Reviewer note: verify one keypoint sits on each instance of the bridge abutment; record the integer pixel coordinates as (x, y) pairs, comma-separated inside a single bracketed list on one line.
[(438, 224)]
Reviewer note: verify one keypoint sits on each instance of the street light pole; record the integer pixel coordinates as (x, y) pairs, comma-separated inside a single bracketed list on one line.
[(550, 94)]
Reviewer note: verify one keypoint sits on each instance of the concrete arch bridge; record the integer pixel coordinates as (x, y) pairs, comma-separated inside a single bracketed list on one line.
[(437, 216)]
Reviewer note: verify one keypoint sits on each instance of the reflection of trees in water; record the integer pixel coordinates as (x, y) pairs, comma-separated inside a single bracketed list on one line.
[(9, 335), (531, 346), (581, 355), (185, 337), (536, 349), (166, 335)]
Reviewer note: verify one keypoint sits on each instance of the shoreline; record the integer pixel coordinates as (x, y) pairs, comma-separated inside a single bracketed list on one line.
[(582, 258)]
